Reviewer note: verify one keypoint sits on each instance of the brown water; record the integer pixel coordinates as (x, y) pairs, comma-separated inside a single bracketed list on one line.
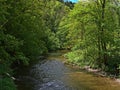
[(52, 74)]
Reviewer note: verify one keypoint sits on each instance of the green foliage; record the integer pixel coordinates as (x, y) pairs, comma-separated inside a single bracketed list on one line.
[(10, 49), (91, 30), (52, 42), (7, 84), (76, 57), (9, 52), (27, 30)]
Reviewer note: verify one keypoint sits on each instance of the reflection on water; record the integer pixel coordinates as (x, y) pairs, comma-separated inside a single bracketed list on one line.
[(52, 74)]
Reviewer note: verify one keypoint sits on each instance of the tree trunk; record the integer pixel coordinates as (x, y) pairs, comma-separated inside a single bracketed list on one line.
[(103, 42)]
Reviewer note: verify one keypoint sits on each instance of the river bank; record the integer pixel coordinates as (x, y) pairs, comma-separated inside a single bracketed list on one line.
[(97, 72)]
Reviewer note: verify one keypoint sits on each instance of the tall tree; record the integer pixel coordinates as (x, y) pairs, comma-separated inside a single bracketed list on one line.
[(92, 28)]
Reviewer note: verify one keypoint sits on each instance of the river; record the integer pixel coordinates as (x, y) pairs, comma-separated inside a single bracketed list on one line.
[(53, 74)]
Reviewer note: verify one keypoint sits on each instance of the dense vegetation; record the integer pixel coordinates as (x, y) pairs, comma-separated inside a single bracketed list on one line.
[(27, 30), (92, 31), (30, 28)]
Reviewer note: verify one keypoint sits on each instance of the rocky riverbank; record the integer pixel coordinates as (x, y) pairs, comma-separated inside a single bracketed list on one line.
[(98, 72)]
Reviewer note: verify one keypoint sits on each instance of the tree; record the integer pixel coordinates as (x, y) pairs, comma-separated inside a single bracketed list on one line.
[(27, 30), (92, 28)]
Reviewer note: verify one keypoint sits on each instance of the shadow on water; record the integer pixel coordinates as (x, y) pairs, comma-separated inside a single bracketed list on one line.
[(52, 74)]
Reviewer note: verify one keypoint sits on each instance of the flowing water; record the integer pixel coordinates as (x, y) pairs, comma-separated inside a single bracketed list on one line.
[(52, 74)]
